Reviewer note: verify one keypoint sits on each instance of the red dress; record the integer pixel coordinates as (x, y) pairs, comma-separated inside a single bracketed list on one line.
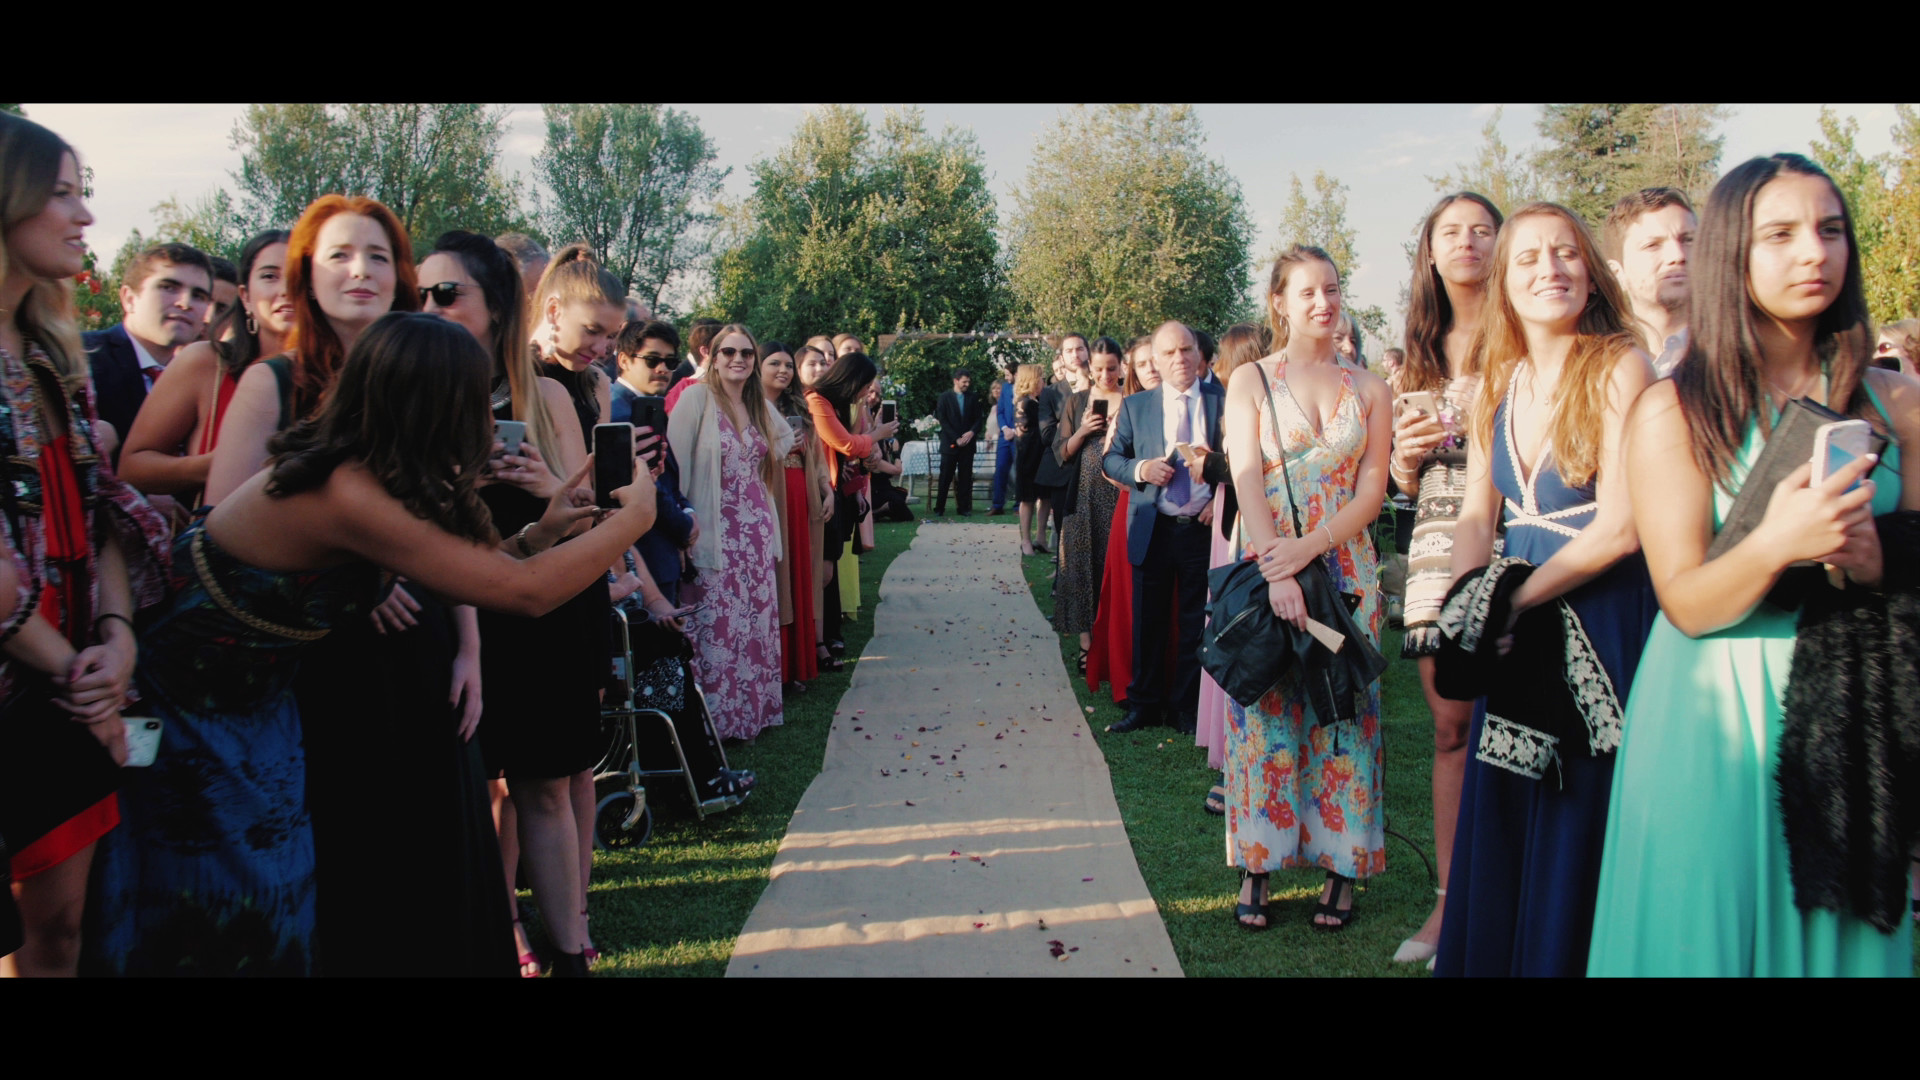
[(799, 646), (1110, 658)]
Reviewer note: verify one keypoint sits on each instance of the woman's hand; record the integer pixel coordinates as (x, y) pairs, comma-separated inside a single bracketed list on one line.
[(1091, 423), (1814, 521), (526, 470), (885, 431), (1286, 556), (1414, 434), (111, 732), (1861, 556), (96, 682), (625, 584), (568, 505), (643, 445), (663, 613), (396, 613), (1287, 601), (465, 694), (641, 492)]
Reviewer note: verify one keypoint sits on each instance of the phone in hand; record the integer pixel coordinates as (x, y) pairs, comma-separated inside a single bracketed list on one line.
[(143, 740), (613, 461), (510, 432), (888, 410), (1419, 401), (1192, 456), (651, 412), (1838, 444), (1100, 407)]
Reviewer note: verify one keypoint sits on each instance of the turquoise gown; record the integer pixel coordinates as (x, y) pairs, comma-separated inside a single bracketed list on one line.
[(1694, 879)]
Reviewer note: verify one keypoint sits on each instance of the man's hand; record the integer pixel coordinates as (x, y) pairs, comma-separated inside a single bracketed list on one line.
[(964, 439), (693, 534), (1157, 473), (1206, 513)]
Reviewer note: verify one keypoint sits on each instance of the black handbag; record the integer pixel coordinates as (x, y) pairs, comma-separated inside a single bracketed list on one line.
[(1247, 648)]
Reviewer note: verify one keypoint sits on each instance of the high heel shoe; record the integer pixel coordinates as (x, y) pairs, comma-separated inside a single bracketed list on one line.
[(592, 954), (1330, 908), (570, 965), (1413, 952)]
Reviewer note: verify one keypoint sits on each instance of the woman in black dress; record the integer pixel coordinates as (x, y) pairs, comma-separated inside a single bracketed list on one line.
[(1027, 385)]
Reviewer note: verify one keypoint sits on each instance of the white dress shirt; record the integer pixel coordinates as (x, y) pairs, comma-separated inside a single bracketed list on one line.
[(149, 367), (1171, 403)]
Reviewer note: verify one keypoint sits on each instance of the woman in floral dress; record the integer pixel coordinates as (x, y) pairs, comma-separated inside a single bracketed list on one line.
[(1303, 791)]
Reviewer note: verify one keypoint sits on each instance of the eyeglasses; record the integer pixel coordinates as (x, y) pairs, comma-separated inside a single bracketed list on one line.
[(730, 352), (444, 294), (654, 360)]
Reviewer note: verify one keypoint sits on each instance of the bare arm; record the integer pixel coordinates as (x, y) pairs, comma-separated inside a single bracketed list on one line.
[(1242, 421), (151, 458), (1479, 519), (252, 417), (1610, 536)]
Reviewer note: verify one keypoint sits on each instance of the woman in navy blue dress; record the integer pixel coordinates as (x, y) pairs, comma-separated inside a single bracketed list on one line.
[(1561, 375)]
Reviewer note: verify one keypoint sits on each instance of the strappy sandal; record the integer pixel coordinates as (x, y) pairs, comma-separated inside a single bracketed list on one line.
[(735, 784), (1329, 908), (529, 960), (1217, 797), (1243, 912), (592, 954), (1082, 662)]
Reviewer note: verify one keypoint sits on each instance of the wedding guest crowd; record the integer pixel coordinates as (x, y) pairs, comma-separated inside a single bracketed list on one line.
[(323, 539)]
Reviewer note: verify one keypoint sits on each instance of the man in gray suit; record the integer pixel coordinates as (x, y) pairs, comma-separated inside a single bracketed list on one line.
[(1169, 539)]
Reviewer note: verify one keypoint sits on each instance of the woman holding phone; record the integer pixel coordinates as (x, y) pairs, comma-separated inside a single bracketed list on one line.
[(1429, 464), (288, 556), (731, 446), (1697, 877), (1083, 536)]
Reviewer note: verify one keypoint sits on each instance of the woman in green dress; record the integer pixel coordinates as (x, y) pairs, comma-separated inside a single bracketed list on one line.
[(1695, 879)]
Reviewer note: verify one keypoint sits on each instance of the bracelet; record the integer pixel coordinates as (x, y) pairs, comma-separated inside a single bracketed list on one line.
[(520, 541), (1407, 480), (111, 615), (1329, 533)]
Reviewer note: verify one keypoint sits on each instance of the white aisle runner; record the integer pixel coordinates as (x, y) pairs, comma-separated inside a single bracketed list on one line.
[(963, 822)]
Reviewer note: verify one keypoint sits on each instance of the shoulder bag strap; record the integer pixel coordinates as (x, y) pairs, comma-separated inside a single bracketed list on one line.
[(1273, 414)]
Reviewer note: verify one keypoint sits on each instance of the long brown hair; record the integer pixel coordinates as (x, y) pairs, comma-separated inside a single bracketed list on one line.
[(1243, 343), (1719, 384), (1277, 283), (410, 403), (30, 159), (753, 398), (313, 344), (1429, 312), (1577, 427)]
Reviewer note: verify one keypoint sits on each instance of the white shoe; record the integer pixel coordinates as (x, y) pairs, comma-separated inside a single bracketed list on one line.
[(1412, 952)]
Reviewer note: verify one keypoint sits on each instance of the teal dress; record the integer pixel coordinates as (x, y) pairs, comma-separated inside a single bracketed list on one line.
[(1694, 879)]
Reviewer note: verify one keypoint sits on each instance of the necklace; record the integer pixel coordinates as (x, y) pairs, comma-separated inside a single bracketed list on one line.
[(1805, 378), (501, 394)]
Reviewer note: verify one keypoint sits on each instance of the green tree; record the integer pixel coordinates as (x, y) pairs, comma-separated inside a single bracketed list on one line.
[(1500, 174), (14, 109), (434, 166), (1123, 222), (211, 223), (1883, 197), (1322, 223), (851, 231), (630, 181), (1595, 153)]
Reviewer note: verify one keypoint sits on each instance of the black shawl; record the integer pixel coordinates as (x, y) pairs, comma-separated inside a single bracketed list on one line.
[(1849, 761)]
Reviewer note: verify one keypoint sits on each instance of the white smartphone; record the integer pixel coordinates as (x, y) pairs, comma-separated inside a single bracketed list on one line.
[(1420, 401), (1837, 445), (510, 432), (1194, 457), (143, 740)]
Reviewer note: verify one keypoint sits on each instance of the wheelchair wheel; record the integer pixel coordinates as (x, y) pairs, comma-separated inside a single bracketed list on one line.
[(609, 821)]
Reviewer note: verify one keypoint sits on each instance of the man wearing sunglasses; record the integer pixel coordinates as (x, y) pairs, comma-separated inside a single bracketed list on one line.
[(647, 352)]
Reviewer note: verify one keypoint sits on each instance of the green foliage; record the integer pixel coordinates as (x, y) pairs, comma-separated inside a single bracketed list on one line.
[(14, 109), (916, 373), (627, 180), (1883, 196), (851, 231), (1322, 223), (1596, 153), (1123, 222), (211, 223), (432, 165), (1500, 174)]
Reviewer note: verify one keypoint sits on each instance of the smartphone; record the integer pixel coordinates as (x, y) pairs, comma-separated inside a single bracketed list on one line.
[(612, 462), (797, 423), (510, 432), (651, 412), (1837, 445), (1099, 406), (1420, 401), (888, 410), (1192, 456), (143, 740)]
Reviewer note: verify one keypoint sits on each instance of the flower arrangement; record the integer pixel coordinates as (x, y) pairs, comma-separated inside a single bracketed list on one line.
[(926, 426)]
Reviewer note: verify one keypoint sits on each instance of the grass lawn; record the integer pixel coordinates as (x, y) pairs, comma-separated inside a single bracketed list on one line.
[(674, 905), (1160, 780)]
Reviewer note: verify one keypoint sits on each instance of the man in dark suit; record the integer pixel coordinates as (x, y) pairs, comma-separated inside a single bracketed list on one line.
[(959, 416), (1169, 541), (646, 352), (164, 299), (1052, 475)]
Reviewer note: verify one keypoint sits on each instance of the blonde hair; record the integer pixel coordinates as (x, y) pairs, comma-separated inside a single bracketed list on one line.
[(575, 276), (30, 160), (1575, 430), (753, 398), (840, 343), (1026, 381)]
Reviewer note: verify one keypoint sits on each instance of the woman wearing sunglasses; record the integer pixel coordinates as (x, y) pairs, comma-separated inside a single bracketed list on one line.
[(731, 446)]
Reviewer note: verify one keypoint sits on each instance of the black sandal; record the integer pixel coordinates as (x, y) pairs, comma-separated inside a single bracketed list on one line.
[(1242, 912), (1084, 653), (1329, 908), (1217, 797), (733, 783), (828, 662)]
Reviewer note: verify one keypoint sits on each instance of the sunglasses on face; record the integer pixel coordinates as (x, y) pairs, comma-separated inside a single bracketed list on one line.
[(654, 360), (730, 352), (444, 294)]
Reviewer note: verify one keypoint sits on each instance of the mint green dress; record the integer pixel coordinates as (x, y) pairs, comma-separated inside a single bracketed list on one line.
[(1694, 879)]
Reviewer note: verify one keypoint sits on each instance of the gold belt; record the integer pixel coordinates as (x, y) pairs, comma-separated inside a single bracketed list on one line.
[(227, 605)]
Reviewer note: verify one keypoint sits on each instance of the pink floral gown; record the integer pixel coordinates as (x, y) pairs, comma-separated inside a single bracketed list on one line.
[(736, 636), (1301, 793)]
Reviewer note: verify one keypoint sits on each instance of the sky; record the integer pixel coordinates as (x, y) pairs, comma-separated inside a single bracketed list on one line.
[(142, 154)]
